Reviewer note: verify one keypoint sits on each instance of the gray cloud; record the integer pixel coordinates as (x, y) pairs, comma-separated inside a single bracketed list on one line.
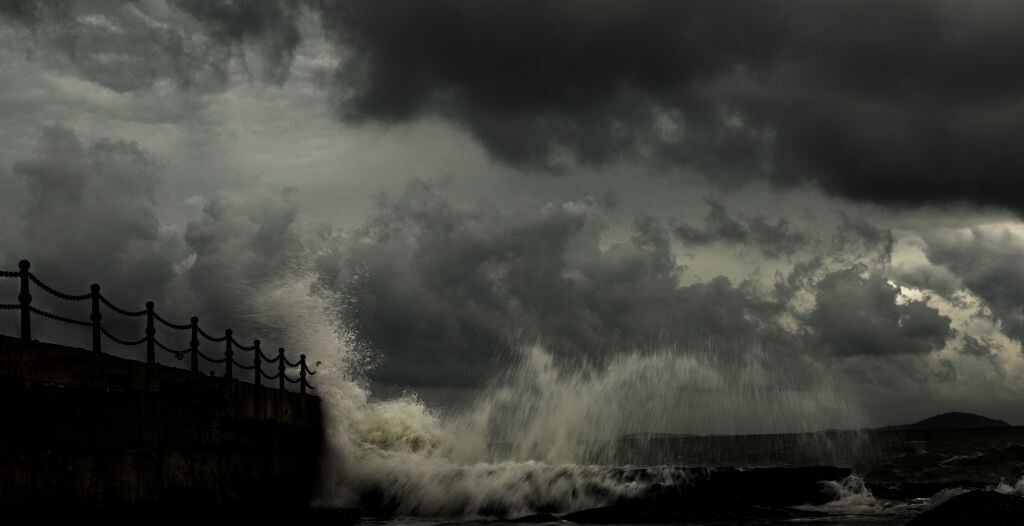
[(240, 242), (271, 25), (94, 205), (930, 277), (89, 214), (987, 261), (859, 235), (442, 289), (945, 372), (977, 347), (856, 315), (773, 239), (129, 46)]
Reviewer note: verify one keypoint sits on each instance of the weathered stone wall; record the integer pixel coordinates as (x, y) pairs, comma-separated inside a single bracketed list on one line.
[(80, 430)]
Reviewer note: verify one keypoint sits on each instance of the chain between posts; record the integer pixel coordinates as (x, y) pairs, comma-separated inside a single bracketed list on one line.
[(98, 331)]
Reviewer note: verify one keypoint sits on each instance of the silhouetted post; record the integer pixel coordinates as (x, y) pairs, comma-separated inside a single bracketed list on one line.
[(96, 317), (25, 299), (280, 368), (194, 344), (150, 334), (302, 373), (256, 367), (228, 353)]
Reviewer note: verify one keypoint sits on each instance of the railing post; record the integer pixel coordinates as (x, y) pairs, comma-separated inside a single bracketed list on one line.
[(150, 334), (302, 373), (228, 353), (257, 369), (25, 299), (194, 345), (280, 368), (96, 317)]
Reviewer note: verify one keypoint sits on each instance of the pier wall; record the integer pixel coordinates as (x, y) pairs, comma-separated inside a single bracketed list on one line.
[(90, 431)]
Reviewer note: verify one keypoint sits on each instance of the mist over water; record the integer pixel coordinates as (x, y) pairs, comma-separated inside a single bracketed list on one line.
[(546, 436)]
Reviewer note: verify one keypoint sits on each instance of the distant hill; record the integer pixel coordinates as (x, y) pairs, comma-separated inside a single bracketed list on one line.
[(953, 420)]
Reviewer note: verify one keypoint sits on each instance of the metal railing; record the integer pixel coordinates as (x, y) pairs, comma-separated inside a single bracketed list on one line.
[(149, 339)]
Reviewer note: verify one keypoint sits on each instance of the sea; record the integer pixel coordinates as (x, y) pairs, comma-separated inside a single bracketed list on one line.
[(894, 475)]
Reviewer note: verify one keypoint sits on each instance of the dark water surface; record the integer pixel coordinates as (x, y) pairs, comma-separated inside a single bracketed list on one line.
[(983, 455), (896, 474)]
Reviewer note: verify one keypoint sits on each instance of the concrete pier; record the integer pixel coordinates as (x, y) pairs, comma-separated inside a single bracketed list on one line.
[(84, 432)]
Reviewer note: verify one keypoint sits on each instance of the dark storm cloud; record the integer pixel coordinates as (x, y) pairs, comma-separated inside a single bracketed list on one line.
[(531, 80), (988, 262), (896, 102), (772, 238), (440, 290), (856, 315), (911, 101)]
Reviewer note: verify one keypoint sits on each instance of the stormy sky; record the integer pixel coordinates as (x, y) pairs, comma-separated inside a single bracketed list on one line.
[(838, 181)]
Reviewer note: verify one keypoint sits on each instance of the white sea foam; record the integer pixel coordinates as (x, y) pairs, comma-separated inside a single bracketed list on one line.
[(849, 497), (1016, 488)]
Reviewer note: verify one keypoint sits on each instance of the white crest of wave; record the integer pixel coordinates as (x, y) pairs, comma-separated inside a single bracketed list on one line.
[(533, 440), (1016, 488)]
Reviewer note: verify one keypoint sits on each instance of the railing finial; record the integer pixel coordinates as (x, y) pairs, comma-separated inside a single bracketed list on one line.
[(95, 317), (25, 299), (194, 345), (228, 354), (257, 367), (280, 368), (150, 334), (302, 373)]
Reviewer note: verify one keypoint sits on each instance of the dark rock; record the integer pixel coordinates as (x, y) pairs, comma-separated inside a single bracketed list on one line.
[(721, 495), (332, 516), (772, 487), (975, 507), (918, 490), (537, 518), (694, 514)]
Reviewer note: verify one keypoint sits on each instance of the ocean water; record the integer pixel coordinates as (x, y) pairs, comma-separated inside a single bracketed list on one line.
[(554, 436), (899, 475)]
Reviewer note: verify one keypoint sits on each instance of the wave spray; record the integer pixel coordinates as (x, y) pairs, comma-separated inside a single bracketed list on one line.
[(546, 436)]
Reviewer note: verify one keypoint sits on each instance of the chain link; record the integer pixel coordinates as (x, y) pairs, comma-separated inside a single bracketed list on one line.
[(119, 340), (119, 310), (55, 292), (58, 317)]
